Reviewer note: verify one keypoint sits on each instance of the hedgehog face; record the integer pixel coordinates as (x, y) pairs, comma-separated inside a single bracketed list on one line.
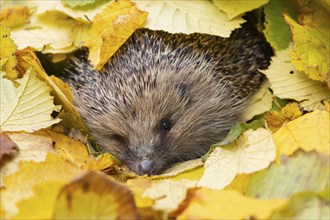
[(166, 122)]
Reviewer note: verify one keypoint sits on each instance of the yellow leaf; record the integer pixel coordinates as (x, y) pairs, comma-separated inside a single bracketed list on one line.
[(111, 28), (215, 204), (72, 150), (28, 107), (101, 162), (8, 49), (259, 102), (253, 151), (308, 132), (51, 32), (311, 49), (95, 196), (60, 90), (41, 204), (183, 170), (15, 15), (239, 183), (188, 17), (275, 120), (138, 186), (235, 8), (19, 185), (168, 194), (289, 83), (32, 147)]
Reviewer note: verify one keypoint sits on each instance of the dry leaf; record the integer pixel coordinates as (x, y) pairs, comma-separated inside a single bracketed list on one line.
[(216, 204), (8, 49), (19, 185), (15, 15), (27, 107), (111, 28), (60, 90), (308, 132), (311, 49), (288, 83), (253, 151), (168, 194), (235, 8), (274, 120), (8, 148), (95, 196), (33, 147), (188, 17), (259, 103)]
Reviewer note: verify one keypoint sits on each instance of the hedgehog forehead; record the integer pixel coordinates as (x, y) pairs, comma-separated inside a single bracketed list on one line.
[(146, 98)]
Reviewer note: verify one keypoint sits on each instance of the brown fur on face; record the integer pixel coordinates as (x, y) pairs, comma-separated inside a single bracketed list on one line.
[(167, 97)]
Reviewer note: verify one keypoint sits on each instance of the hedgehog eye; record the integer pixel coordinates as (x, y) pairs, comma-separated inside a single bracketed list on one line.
[(165, 124), (119, 138)]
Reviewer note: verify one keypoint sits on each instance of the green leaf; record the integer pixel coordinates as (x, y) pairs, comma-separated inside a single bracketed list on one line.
[(27, 107), (298, 173), (276, 30), (80, 3), (305, 205), (311, 47)]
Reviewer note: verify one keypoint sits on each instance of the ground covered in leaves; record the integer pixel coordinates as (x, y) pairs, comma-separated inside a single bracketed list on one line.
[(274, 164)]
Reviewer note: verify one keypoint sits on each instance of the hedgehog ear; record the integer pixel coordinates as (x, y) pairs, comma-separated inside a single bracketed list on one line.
[(182, 90)]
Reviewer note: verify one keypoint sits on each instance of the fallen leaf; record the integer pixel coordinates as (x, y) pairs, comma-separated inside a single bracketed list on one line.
[(33, 147), (289, 83), (20, 185), (298, 173), (72, 150), (275, 120), (259, 103), (308, 132), (239, 183), (102, 162), (216, 204), (60, 90), (276, 31), (41, 204), (15, 15), (77, 4), (27, 107), (51, 32), (84, 14), (138, 186), (253, 151), (111, 200), (180, 168), (8, 148), (188, 17), (168, 194), (235, 8), (305, 205), (310, 48), (111, 28), (8, 49)]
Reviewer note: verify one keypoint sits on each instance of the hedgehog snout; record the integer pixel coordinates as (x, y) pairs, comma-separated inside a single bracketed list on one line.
[(146, 166)]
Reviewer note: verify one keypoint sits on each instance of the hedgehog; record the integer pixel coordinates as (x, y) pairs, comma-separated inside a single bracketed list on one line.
[(164, 98)]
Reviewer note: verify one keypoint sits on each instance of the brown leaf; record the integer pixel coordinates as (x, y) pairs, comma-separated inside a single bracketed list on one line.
[(8, 148), (95, 196)]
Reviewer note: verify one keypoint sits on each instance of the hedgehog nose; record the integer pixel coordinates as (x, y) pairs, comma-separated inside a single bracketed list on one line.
[(146, 167)]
